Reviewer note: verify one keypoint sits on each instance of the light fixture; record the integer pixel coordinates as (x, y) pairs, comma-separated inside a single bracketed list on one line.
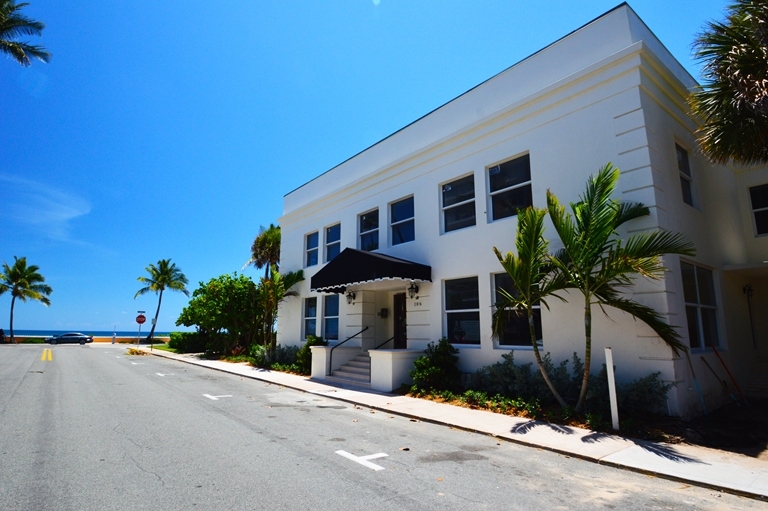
[(413, 290), (350, 297)]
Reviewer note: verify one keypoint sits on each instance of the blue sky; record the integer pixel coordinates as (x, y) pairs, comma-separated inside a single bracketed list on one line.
[(173, 129)]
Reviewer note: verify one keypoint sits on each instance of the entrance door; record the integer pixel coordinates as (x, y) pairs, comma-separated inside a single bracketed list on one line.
[(401, 337)]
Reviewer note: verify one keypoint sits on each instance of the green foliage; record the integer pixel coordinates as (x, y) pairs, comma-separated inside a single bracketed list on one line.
[(285, 355), (437, 369), (226, 311), (33, 340), (304, 354), (644, 395), (187, 342), (258, 354)]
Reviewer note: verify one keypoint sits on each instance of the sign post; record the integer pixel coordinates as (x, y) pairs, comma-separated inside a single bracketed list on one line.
[(140, 319)]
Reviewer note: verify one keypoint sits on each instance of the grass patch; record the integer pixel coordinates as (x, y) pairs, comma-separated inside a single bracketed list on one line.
[(163, 347), (32, 340)]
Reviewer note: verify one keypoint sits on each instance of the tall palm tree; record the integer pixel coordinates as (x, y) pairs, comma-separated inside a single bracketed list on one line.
[(732, 101), (24, 282), (597, 263), (271, 293), (531, 272), (265, 251), (161, 277), (13, 25)]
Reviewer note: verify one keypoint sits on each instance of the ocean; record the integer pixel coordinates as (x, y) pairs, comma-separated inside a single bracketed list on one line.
[(95, 333)]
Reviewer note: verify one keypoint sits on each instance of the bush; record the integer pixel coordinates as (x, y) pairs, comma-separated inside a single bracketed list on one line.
[(258, 355), (187, 342), (304, 354), (437, 369), (285, 355), (32, 340)]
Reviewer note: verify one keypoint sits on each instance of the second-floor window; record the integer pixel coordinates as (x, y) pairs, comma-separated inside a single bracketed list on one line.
[(758, 195), (402, 224), (332, 242), (459, 203), (311, 249), (686, 179), (369, 230), (510, 187)]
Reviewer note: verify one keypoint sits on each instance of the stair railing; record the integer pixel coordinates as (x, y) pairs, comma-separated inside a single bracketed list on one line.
[(385, 342), (330, 361)]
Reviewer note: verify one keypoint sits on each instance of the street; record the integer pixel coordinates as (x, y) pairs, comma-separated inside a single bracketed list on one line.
[(90, 428)]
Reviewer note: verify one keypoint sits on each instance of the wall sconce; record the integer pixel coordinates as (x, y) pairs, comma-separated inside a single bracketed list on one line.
[(413, 290), (383, 314), (350, 297)]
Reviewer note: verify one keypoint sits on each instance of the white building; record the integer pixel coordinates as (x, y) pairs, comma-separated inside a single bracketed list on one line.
[(416, 215)]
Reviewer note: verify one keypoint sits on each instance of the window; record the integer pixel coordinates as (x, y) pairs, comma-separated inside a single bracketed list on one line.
[(759, 197), (369, 230), (459, 204), (311, 243), (331, 318), (516, 325), (332, 242), (310, 316), (462, 311), (700, 307), (401, 213), (686, 180), (510, 185)]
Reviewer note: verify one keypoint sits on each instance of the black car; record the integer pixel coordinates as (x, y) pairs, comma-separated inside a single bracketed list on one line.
[(70, 337)]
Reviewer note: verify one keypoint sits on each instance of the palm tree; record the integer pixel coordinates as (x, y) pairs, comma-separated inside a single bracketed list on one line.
[(534, 280), (265, 251), (732, 102), (597, 263), (161, 277), (271, 293), (13, 25), (24, 282)]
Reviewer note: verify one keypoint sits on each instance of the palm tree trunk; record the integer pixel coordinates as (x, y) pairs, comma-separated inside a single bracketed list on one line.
[(587, 352), (544, 374), (157, 313), (13, 301)]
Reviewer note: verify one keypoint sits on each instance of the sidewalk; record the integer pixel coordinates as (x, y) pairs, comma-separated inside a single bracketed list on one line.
[(711, 468)]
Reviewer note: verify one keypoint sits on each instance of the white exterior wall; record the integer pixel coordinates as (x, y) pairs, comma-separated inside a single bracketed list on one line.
[(608, 92)]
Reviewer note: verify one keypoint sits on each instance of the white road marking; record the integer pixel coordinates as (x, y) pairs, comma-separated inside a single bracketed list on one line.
[(138, 363), (363, 460), (216, 398), (161, 374)]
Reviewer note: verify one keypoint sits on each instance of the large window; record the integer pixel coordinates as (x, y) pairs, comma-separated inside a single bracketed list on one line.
[(401, 214), (759, 197), (311, 249), (686, 179), (462, 311), (516, 323), (332, 242), (700, 305), (510, 186), (331, 318), (369, 230), (310, 316), (459, 203)]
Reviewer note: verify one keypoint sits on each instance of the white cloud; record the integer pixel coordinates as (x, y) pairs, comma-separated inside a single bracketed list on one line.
[(43, 208)]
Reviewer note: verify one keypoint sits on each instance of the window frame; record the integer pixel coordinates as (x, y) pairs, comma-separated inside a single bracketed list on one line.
[(685, 174), (308, 318), (758, 210), (335, 243), (308, 249), (330, 318), (475, 311), (361, 233), (500, 342), (495, 193), (701, 342), (403, 221), (454, 206)]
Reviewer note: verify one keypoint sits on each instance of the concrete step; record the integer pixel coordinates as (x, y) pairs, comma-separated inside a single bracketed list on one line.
[(363, 371), (335, 380), (351, 376), (358, 363)]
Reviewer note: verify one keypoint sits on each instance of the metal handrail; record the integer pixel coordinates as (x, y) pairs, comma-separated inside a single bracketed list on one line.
[(330, 361), (385, 342)]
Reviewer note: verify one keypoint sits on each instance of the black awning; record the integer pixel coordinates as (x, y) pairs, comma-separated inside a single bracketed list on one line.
[(354, 267)]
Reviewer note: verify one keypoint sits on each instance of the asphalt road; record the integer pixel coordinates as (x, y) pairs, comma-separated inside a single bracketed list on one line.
[(89, 428)]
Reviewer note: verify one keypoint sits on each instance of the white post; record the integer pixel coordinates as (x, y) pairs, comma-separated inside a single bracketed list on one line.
[(612, 388)]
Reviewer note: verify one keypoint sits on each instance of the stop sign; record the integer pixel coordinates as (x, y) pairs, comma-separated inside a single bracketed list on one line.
[(140, 319)]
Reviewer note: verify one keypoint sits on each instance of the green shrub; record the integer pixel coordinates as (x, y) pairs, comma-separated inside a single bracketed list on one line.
[(258, 354), (187, 342), (285, 355), (644, 395), (32, 340), (304, 354), (437, 369)]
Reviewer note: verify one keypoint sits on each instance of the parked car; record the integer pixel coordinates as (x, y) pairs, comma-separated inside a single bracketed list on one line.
[(70, 337)]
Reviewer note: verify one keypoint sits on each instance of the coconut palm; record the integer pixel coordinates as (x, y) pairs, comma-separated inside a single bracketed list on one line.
[(271, 293), (265, 251), (161, 277), (531, 272), (597, 263), (24, 282), (732, 101), (13, 25)]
